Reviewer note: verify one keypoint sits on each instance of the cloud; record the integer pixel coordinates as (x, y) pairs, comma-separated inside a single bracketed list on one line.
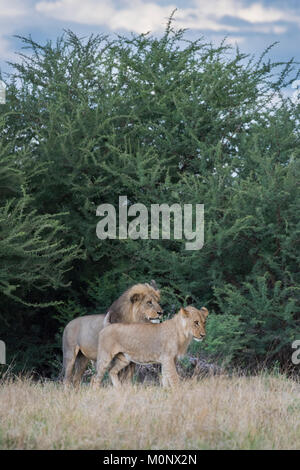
[(136, 15), (11, 15), (5, 49), (257, 13), (213, 15), (142, 15), (11, 9)]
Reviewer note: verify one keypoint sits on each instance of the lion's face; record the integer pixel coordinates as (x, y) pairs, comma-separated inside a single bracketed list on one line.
[(195, 321), (146, 307), (139, 304)]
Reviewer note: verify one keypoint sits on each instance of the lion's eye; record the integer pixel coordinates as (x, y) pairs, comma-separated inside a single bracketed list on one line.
[(149, 302), (196, 323)]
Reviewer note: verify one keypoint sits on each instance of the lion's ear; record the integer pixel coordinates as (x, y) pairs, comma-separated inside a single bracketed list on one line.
[(204, 310), (184, 312), (135, 298)]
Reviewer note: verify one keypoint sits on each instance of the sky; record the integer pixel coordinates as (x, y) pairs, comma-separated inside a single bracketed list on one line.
[(252, 24)]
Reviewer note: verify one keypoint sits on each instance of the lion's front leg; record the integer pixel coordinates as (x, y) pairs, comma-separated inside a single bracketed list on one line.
[(120, 363), (169, 373), (103, 362)]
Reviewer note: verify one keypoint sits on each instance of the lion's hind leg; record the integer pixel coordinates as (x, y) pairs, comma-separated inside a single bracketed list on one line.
[(81, 363), (68, 363), (120, 363), (126, 374)]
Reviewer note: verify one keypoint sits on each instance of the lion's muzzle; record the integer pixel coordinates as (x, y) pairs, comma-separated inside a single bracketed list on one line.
[(201, 338)]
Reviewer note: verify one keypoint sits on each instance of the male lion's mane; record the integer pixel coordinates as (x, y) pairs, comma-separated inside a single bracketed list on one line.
[(121, 311)]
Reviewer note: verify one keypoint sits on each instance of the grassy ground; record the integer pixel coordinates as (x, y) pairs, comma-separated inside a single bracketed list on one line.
[(261, 412)]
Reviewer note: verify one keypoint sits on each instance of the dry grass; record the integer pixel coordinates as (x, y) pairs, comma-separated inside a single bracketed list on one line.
[(261, 412)]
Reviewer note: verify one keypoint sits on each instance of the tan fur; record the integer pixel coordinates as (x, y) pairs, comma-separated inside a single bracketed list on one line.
[(146, 343), (138, 304)]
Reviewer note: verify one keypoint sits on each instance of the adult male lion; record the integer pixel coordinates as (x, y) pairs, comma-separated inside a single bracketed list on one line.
[(138, 304)]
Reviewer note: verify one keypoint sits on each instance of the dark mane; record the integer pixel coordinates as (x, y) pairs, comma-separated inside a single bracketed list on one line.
[(121, 309)]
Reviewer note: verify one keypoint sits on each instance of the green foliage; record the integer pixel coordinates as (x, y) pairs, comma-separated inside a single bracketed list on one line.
[(34, 259), (160, 121), (225, 337), (260, 321), (32, 252), (32, 256)]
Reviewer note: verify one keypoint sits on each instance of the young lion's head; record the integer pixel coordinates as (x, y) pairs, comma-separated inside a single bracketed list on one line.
[(194, 321), (138, 304)]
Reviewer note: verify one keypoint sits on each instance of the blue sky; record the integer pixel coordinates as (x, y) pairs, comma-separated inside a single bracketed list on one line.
[(252, 25)]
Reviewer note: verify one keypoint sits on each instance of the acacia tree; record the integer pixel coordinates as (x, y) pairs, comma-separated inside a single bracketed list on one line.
[(169, 121)]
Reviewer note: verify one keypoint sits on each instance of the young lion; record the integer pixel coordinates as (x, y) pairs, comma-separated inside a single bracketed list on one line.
[(149, 343)]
